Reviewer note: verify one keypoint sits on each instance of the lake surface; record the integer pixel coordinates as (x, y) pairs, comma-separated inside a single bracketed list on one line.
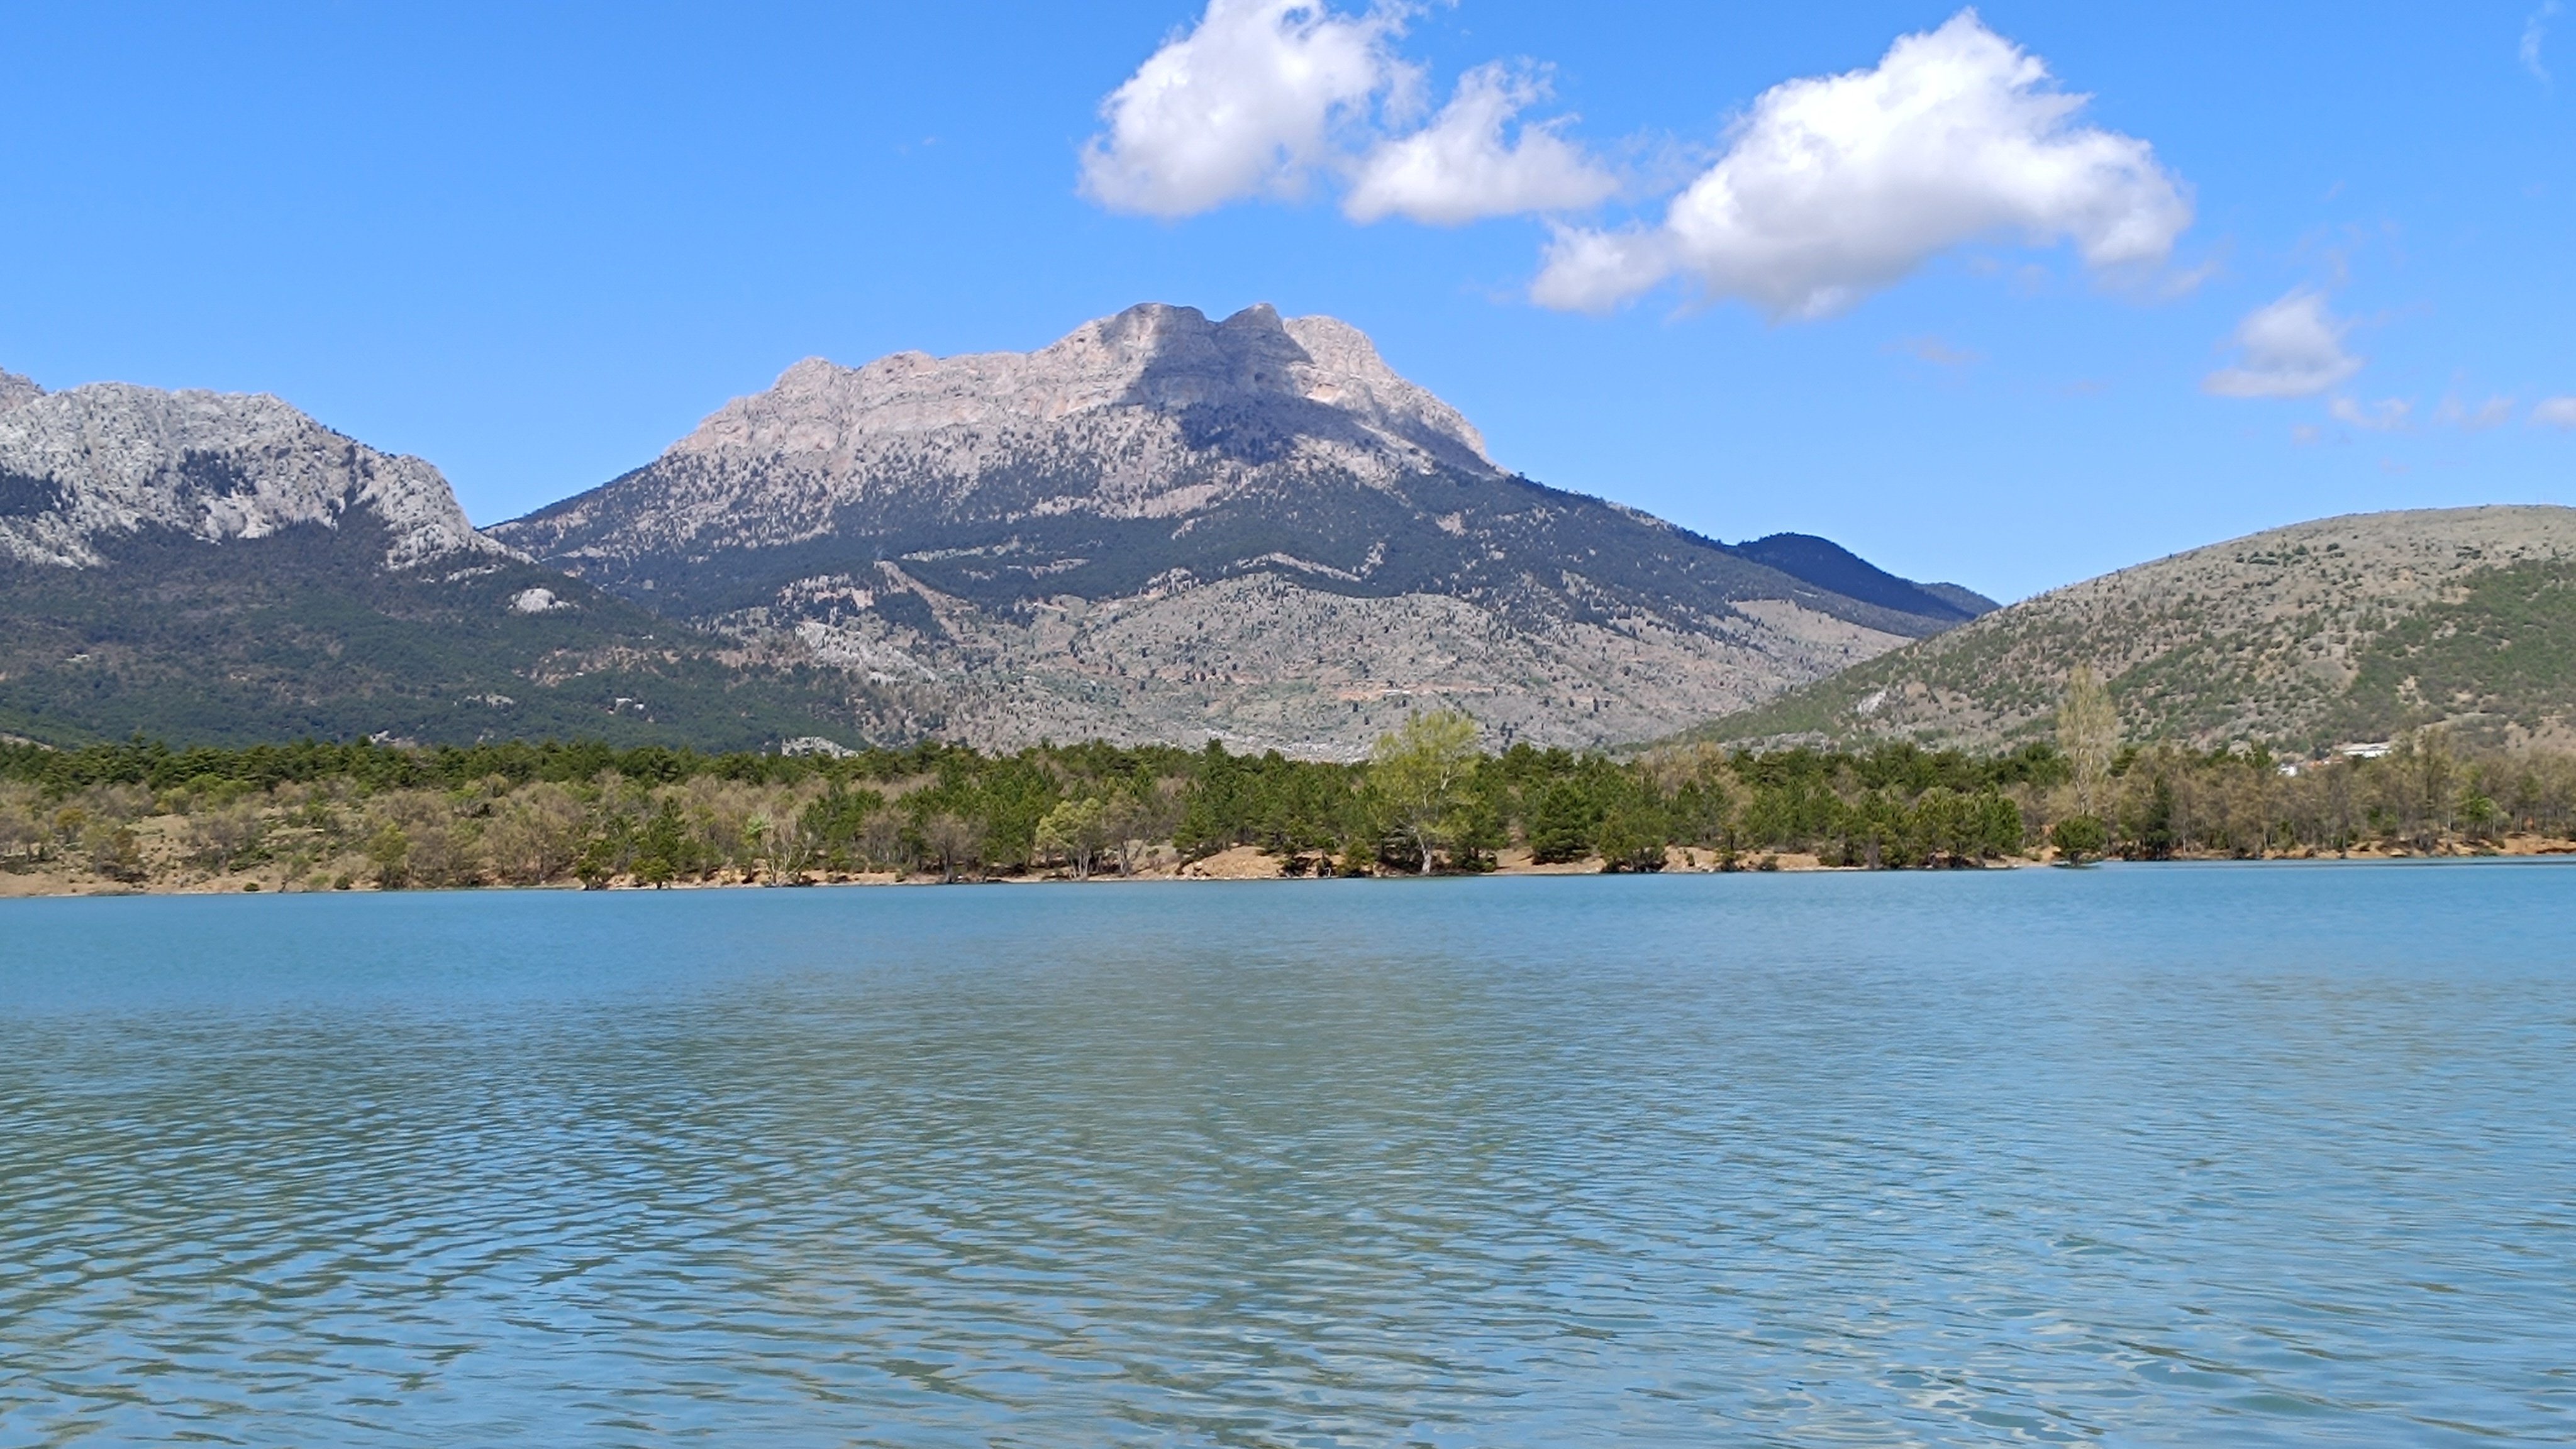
[(2137, 1155)]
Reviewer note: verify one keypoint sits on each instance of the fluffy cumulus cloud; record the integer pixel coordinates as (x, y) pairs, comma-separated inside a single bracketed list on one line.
[(1461, 167), (1836, 186), (1248, 103), (2555, 412), (2291, 348), (1828, 189), (1263, 97)]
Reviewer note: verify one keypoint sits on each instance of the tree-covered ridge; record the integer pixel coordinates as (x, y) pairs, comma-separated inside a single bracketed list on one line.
[(315, 815)]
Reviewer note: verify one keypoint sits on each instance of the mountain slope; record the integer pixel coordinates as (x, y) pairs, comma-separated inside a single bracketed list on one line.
[(222, 568), (2338, 630), (1163, 527)]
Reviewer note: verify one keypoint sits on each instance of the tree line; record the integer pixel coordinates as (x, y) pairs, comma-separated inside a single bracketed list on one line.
[(1427, 800)]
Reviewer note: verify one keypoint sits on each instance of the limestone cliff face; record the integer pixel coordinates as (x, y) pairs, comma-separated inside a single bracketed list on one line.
[(1163, 527), (1151, 364), (114, 459), (1156, 412)]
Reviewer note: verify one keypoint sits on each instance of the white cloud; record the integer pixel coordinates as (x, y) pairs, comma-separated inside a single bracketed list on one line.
[(2555, 412), (2388, 415), (2535, 29), (1835, 186), (1460, 169), (2292, 348), (2495, 412), (1247, 104)]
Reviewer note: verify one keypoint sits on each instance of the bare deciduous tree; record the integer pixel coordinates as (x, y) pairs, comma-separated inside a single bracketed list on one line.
[(954, 841), (2088, 734)]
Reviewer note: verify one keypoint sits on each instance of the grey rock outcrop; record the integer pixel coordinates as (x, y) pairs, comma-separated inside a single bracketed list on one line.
[(112, 458), (16, 390)]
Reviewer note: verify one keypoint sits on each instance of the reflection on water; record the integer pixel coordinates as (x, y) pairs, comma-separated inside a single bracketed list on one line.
[(2191, 1155)]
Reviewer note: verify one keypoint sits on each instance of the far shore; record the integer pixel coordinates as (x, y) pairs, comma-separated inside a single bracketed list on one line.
[(1242, 863)]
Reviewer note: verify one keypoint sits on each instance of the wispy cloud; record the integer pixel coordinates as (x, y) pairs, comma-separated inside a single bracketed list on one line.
[(2388, 415), (2535, 29), (1933, 350), (2495, 412), (2554, 412), (2291, 348)]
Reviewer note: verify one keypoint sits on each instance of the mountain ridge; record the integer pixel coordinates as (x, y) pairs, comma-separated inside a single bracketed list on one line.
[(223, 568), (966, 521), (1158, 528)]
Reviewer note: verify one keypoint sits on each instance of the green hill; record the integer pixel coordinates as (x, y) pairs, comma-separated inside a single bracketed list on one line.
[(2340, 630)]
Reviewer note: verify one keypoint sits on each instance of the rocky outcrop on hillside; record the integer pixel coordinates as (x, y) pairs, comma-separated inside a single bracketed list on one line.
[(1169, 528), (2337, 631), (82, 467)]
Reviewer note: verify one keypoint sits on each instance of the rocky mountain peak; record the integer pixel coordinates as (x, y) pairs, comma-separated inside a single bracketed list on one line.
[(113, 458), (1299, 376), (15, 390)]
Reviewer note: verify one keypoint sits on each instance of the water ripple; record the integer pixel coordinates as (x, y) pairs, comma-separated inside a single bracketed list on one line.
[(2144, 1156)]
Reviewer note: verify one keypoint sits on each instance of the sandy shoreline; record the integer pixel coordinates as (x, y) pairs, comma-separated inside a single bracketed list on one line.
[(1242, 863)]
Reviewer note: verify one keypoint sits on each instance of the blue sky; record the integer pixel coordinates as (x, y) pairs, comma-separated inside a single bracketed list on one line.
[(535, 244)]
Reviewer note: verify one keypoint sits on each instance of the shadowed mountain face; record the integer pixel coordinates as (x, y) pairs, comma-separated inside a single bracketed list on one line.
[(1829, 565), (1163, 527), (2343, 630)]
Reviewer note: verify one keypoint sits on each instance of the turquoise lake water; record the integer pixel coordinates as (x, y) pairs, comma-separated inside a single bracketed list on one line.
[(2204, 1155)]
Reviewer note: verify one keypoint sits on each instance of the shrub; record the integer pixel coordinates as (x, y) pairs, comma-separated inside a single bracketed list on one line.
[(2080, 838)]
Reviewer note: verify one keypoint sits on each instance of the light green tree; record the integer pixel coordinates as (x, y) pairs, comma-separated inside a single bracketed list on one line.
[(1078, 830), (1419, 776), (2088, 734)]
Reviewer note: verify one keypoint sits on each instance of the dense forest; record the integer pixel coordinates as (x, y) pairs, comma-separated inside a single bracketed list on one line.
[(316, 815)]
